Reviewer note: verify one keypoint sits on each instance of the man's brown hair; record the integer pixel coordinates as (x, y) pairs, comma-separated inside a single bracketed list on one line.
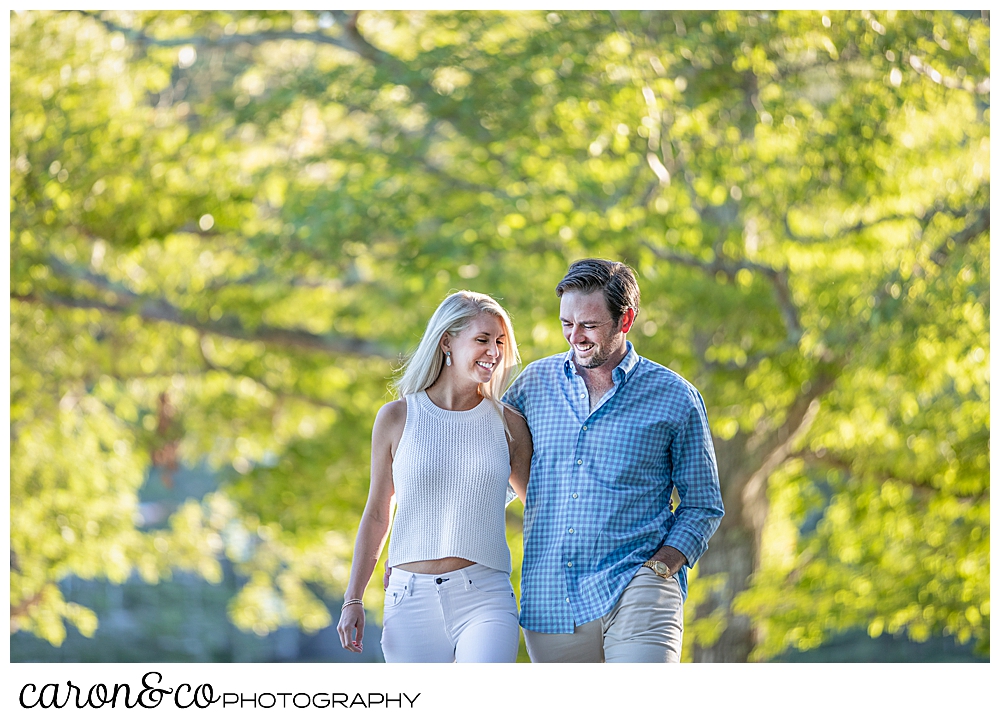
[(614, 279)]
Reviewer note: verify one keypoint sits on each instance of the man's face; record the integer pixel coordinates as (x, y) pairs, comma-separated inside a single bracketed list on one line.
[(587, 325)]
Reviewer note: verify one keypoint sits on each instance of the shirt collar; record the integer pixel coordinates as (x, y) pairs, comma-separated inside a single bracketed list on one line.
[(620, 373), (627, 365)]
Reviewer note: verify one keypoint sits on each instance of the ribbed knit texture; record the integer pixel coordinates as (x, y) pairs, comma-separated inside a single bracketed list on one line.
[(450, 473)]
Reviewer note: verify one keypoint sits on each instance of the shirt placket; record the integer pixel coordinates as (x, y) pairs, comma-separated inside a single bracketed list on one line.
[(576, 549), (570, 492), (579, 398)]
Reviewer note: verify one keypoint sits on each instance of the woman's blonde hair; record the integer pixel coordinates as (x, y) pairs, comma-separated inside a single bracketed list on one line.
[(453, 315)]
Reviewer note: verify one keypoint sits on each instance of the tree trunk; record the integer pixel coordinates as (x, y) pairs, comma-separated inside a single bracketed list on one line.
[(745, 463), (732, 551)]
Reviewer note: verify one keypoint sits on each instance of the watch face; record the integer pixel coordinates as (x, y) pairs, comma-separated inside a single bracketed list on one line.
[(660, 568)]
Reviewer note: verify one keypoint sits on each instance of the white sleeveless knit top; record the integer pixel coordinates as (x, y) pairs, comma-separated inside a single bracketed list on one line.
[(450, 474)]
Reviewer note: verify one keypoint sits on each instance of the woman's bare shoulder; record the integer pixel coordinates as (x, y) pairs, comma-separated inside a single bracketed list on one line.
[(391, 417)]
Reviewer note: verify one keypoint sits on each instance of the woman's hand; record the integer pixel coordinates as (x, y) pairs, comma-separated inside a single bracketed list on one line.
[(351, 627)]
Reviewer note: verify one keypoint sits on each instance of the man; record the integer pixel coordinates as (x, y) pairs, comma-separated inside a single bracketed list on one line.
[(604, 573)]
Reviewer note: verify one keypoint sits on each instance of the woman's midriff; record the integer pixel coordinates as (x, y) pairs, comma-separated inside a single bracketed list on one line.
[(432, 567)]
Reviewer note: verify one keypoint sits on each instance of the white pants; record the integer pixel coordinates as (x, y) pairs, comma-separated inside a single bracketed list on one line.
[(464, 616), (644, 626)]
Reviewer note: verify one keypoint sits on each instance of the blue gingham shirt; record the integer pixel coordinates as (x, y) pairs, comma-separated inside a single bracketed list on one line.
[(598, 495)]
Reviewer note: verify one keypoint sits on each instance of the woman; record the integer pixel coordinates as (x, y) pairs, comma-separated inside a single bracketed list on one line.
[(447, 451)]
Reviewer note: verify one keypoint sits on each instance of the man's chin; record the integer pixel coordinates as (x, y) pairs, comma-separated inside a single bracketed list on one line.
[(591, 362)]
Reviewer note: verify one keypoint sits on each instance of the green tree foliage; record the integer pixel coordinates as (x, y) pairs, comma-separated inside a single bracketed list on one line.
[(227, 227)]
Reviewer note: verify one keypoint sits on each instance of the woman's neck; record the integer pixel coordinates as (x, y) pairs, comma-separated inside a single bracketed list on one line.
[(454, 397)]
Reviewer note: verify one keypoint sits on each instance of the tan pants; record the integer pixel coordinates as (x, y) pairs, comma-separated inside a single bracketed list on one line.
[(644, 626)]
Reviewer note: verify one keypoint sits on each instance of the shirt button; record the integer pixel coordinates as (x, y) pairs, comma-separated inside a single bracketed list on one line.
[(579, 461), (575, 495), (567, 599), (571, 530), (582, 396), (585, 428), (569, 564)]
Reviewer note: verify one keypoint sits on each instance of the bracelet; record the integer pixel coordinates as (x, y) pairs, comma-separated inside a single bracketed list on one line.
[(355, 601)]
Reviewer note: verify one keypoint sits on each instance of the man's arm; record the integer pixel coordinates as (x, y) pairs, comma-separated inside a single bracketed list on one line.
[(514, 396), (694, 472), (672, 557), (519, 445)]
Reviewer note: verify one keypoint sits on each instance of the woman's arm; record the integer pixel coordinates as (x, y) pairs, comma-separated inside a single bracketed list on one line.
[(374, 527), (519, 444)]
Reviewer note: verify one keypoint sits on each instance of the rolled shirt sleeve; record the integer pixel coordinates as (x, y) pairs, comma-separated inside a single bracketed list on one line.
[(695, 474)]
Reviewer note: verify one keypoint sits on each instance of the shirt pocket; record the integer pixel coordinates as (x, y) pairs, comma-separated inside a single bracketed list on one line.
[(648, 446)]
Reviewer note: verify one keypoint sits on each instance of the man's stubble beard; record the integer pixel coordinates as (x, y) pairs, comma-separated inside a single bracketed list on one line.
[(599, 358), (601, 353)]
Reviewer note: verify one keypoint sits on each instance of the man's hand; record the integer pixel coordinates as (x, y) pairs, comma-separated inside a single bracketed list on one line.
[(671, 556)]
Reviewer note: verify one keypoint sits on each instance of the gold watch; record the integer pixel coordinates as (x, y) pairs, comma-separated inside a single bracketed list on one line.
[(660, 568)]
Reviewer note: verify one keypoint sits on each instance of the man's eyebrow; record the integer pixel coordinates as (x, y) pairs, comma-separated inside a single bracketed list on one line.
[(585, 321)]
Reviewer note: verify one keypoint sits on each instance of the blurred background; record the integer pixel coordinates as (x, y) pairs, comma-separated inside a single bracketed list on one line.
[(227, 228)]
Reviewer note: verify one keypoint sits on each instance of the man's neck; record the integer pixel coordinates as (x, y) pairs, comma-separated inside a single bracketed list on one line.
[(601, 377)]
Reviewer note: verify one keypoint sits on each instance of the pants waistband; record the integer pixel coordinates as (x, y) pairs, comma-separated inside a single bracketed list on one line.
[(462, 576)]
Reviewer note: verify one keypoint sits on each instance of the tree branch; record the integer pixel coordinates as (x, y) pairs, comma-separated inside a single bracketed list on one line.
[(748, 460), (210, 365), (860, 226), (923, 487), (332, 285), (979, 225), (350, 39), (138, 36), (225, 242), (729, 268), (158, 309), (856, 228)]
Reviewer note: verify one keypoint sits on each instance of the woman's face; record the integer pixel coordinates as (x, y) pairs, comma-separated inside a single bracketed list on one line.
[(476, 351)]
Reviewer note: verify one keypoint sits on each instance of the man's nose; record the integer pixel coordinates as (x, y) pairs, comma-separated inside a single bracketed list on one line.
[(575, 334)]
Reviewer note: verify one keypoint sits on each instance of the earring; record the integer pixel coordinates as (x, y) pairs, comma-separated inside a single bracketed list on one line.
[(447, 358)]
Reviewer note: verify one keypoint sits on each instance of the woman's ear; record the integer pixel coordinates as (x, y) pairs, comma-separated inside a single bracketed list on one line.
[(445, 342)]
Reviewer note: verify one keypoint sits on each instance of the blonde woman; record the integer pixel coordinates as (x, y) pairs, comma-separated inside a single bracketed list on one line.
[(447, 450)]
